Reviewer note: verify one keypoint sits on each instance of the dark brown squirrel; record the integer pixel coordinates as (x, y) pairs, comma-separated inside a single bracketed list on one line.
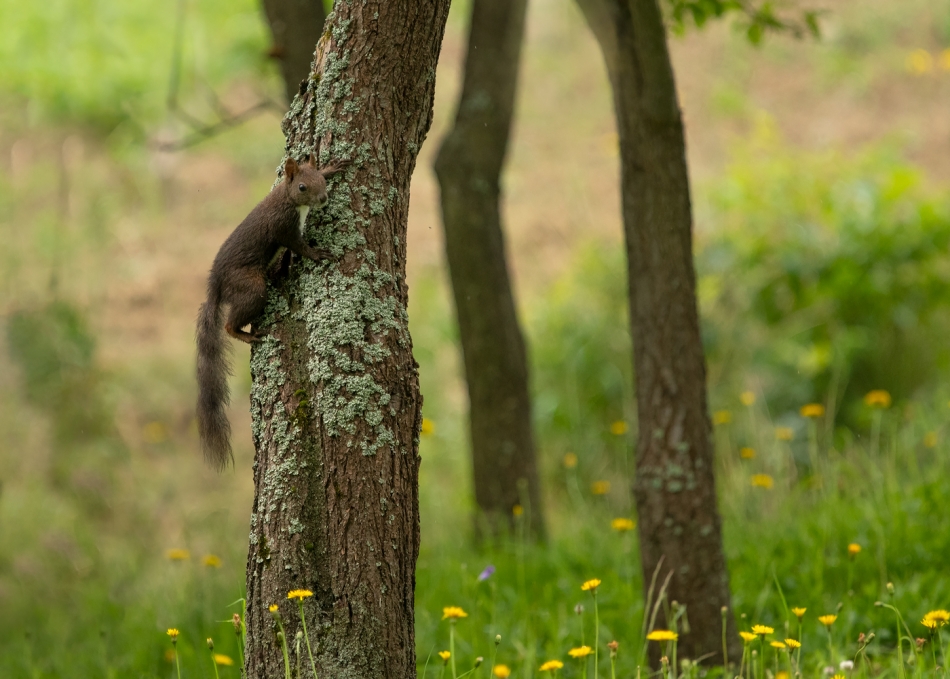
[(238, 279)]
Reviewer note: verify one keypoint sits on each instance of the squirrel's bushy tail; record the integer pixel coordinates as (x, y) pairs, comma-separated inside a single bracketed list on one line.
[(213, 396)]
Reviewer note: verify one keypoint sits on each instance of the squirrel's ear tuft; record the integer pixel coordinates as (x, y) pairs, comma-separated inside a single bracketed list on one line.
[(312, 162), (290, 169)]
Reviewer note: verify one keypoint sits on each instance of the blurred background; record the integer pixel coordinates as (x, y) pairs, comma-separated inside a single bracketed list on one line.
[(821, 176)]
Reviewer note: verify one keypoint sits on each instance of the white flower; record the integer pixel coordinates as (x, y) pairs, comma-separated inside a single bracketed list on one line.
[(846, 665)]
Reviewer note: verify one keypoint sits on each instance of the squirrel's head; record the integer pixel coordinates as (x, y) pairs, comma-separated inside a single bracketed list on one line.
[(305, 183)]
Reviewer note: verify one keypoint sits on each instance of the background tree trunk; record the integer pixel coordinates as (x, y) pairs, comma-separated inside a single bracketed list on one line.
[(468, 166), (295, 27), (674, 487), (335, 398)]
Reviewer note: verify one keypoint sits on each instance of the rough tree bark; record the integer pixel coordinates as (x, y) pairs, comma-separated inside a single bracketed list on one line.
[(295, 27), (674, 487), (468, 166), (335, 399)]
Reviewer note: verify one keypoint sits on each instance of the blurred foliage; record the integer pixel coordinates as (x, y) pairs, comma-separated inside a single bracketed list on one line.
[(108, 64), (754, 18)]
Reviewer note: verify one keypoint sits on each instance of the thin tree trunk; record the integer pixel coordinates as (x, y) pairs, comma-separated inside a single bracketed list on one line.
[(674, 487), (295, 27), (469, 166), (335, 398)]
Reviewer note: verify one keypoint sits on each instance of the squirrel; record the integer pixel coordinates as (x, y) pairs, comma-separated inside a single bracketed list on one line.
[(238, 279)]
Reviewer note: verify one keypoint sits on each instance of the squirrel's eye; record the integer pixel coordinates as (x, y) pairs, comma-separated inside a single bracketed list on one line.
[(302, 187)]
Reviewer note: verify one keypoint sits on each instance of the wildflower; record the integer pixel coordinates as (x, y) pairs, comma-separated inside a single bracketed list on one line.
[(827, 620), (551, 666), (748, 636), (793, 643), (939, 617), (762, 481), (590, 585), (878, 398), (799, 613), (236, 621), (600, 487), (486, 573), (517, 510), (838, 676), (777, 644), (663, 635), (920, 643), (762, 629), (930, 439), (784, 433), (613, 646), (223, 660), (299, 594), (747, 453), (747, 398), (581, 652), (570, 460), (502, 671), (211, 561), (178, 554), (854, 549), (478, 662), (622, 525), (782, 674), (722, 417), (428, 427), (812, 410), (453, 613), (173, 633), (272, 608), (618, 428), (846, 665), (210, 643), (445, 655), (919, 62)]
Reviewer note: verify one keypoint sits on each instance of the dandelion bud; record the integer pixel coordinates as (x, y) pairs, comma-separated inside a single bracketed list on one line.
[(579, 609), (478, 661), (613, 646), (210, 644), (890, 588), (920, 643), (299, 635), (724, 610), (869, 637), (280, 638), (861, 638), (497, 639), (846, 665), (236, 621), (665, 662)]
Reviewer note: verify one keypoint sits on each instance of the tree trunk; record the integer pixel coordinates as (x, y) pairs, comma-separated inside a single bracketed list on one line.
[(674, 487), (295, 27), (335, 399), (468, 167)]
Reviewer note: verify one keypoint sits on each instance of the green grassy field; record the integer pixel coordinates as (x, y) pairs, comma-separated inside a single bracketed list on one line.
[(821, 194)]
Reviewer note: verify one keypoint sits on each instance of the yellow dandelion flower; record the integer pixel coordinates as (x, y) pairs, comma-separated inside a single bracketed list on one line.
[(590, 585), (211, 561), (930, 439), (827, 620), (799, 612), (793, 643), (838, 676), (812, 410), (551, 666), (854, 549), (621, 524), (748, 636), (445, 655), (618, 428), (600, 487), (502, 671), (747, 398), (784, 433), (919, 62), (300, 594), (272, 608), (722, 417), (777, 644), (762, 629), (939, 618), (762, 481), (453, 613), (173, 633), (580, 652), (782, 674), (878, 398), (178, 554), (428, 427), (929, 623), (663, 635), (747, 453), (570, 460), (223, 660), (517, 510), (945, 59)]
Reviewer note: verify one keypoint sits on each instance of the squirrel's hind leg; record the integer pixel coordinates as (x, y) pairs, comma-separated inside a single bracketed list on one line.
[(247, 296)]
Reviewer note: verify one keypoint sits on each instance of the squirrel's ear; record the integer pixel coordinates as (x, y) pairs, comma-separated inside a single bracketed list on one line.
[(313, 161), (290, 169)]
